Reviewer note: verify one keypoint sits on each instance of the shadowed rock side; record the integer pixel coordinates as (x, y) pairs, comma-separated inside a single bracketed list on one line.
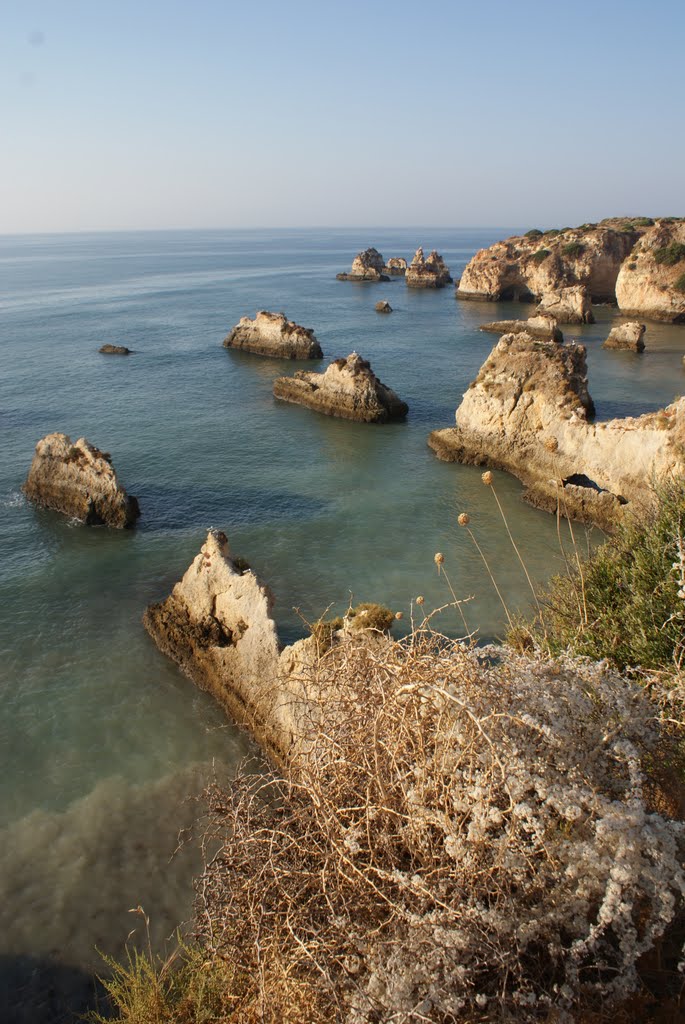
[(628, 336), (79, 480), (383, 306), (528, 413), (216, 624), (348, 388), (542, 326), (651, 282), (368, 265), (272, 334), (427, 272)]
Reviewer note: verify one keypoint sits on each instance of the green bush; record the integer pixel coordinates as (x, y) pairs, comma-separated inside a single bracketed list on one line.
[(669, 255), (679, 284), (552, 233), (573, 249), (643, 222), (625, 603), (533, 233), (540, 255)]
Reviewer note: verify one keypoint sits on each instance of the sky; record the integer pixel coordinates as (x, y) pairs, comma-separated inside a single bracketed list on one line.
[(119, 115)]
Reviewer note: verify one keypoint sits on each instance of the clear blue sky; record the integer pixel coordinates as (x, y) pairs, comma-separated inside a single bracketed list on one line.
[(123, 115)]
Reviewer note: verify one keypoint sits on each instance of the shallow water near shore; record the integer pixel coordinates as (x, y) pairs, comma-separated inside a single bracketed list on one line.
[(102, 738)]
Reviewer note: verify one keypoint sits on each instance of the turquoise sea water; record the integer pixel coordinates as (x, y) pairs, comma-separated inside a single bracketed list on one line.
[(102, 739)]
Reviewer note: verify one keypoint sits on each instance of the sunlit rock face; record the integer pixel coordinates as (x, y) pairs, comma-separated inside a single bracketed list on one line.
[(272, 334), (348, 389)]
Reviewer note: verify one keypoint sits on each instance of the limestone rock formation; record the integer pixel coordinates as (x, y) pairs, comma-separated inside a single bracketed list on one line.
[(114, 350), (427, 272), (629, 336), (217, 625), (272, 334), (348, 388), (526, 267), (651, 282), (383, 306), (368, 265), (570, 305), (396, 266), (528, 412), (79, 480), (542, 326)]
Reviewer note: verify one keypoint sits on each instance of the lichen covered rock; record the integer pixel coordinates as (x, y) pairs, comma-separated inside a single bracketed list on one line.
[(427, 272), (79, 480), (628, 336), (529, 411), (272, 334), (368, 265), (348, 389)]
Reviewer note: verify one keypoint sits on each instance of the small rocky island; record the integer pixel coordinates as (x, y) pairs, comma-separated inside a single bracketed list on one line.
[(427, 272), (368, 265), (272, 334), (628, 336), (529, 412), (637, 263), (542, 326), (114, 350), (79, 480), (348, 388)]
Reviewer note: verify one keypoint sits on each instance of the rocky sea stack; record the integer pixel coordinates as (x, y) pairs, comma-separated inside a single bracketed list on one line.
[(79, 480), (272, 334), (348, 388), (637, 263), (628, 336), (529, 411), (427, 272), (542, 326), (368, 265)]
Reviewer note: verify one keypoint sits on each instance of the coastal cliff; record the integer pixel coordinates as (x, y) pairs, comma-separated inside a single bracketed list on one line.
[(651, 283), (348, 389), (636, 263), (529, 412), (272, 334), (79, 480)]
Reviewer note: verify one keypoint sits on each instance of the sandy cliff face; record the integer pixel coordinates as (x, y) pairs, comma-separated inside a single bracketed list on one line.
[(272, 334), (348, 388), (651, 282), (528, 412), (79, 480)]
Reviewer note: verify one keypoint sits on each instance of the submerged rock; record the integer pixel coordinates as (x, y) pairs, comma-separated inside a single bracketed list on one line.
[(629, 336), (348, 388), (383, 307), (79, 480), (272, 334), (542, 326), (528, 412), (368, 265), (651, 282), (427, 272), (568, 305), (115, 350)]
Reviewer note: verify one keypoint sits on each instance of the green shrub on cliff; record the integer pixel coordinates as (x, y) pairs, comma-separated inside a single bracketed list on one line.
[(540, 255), (627, 601), (679, 283), (669, 255), (533, 233), (573, 249)]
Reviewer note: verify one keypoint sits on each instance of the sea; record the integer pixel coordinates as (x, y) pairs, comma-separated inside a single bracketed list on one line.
[(105, 745)]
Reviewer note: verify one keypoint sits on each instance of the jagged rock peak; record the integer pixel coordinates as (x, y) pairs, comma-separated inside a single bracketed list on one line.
[(430, 272), (272, 334), (79, 480), (528, 412), (348, 388)]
